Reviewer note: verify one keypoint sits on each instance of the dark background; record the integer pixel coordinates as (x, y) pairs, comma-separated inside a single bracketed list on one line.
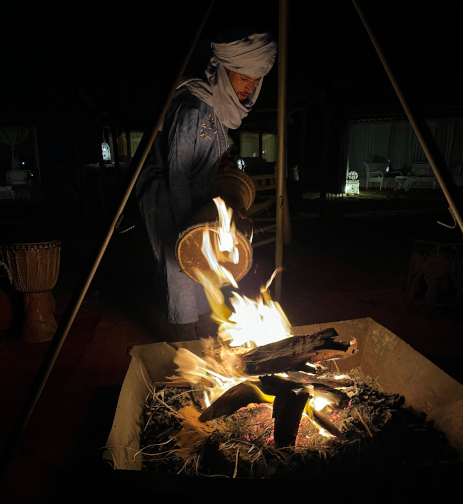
[(120, 56)]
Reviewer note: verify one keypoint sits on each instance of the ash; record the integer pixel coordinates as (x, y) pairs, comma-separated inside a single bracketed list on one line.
[(379, 434)]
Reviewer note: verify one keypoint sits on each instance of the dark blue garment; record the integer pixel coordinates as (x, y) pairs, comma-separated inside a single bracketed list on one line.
[(176, 180)]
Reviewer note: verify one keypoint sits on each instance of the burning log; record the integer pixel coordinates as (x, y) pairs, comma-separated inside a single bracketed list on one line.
[(273, 384), (286, 408), (287, 412), (230, 401), (290, 401), (301, 377), (288, 354)]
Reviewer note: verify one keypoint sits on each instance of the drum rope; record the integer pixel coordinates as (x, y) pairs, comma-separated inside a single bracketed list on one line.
[(33, 280), (3, 263)]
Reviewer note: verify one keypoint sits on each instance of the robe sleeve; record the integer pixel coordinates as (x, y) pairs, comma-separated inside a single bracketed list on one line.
[(181, 158)]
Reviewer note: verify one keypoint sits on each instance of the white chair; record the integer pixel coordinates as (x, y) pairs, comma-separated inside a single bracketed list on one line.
[(378, 172), (375, 172)]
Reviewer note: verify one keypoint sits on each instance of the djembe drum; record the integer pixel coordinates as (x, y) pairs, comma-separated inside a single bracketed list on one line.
[(33, 270), (237, 189)]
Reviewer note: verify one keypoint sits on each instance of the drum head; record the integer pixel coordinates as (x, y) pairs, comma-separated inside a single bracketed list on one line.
[(190, 256)]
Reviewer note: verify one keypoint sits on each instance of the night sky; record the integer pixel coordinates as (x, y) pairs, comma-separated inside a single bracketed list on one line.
[(119, 54), (122, 59)]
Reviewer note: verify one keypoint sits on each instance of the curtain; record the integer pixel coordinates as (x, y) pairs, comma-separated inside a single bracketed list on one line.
[(450, 141), (13, 137), (368, 143), (378, 142), (418, 153)]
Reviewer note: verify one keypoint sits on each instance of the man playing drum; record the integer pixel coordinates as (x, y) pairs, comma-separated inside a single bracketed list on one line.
[(179, 173)]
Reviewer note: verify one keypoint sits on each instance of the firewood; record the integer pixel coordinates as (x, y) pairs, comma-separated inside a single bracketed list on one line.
[(288, 354), (273, 384), (282, 387), (290, 400), (287, 412), (177, 384), (323, 422), (299, 377), (230, 401)]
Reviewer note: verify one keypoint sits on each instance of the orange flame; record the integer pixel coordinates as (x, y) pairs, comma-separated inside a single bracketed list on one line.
[(251, 323)]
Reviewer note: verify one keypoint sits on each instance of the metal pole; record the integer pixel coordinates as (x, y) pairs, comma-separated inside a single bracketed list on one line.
[(422, 131), (281, 162), (90, 270), (117, 164)]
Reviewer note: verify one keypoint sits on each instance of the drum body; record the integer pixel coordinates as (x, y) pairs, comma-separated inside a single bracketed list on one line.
[(32, 267), (236, 188)]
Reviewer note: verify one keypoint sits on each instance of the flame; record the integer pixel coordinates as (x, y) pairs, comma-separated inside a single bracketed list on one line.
[(253, 322), (219, 376), (227, 232), (325, 433), (250, 323), (320, 402), (206, 400)]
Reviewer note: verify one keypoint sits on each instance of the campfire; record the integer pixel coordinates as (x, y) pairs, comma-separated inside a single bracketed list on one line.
[(263, 402)]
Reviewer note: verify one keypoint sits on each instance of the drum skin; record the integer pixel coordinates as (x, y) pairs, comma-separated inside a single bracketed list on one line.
[(190, 256)]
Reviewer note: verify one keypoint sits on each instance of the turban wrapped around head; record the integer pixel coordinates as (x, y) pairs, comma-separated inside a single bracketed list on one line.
[(253, 55)]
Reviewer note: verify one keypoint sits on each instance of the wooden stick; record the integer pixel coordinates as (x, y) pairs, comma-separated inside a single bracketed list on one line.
[(287, 412), (230, 401), (289, 354), (309, 379), (364, 423)]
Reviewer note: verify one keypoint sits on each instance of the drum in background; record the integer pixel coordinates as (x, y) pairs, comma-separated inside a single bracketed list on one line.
[(33, 270), (32, 267)]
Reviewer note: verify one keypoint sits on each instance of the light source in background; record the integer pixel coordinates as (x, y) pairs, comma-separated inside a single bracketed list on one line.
[(352, 183), (106, 151)]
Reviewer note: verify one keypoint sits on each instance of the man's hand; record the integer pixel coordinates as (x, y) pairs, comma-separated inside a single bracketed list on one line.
[(226, 164)]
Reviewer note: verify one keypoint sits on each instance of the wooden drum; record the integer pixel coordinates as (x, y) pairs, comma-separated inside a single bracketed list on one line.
[(190, 256), (236, 188), (32, 267)]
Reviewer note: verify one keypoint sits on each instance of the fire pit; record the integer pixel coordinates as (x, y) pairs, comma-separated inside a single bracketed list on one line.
[(382, 356), (202, 408)]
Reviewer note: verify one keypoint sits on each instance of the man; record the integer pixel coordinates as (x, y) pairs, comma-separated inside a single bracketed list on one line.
[(179, 173)]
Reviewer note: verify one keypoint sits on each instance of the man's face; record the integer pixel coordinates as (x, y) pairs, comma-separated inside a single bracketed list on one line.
[(242, 84)]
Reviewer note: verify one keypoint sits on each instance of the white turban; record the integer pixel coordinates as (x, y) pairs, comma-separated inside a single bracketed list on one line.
[(253, 55)]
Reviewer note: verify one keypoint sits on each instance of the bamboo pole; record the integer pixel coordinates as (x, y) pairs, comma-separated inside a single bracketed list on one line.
[(281, 160), (421, 128), (81, 289)]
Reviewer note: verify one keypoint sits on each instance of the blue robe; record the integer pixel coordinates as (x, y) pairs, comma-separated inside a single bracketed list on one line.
[(176, 180)]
